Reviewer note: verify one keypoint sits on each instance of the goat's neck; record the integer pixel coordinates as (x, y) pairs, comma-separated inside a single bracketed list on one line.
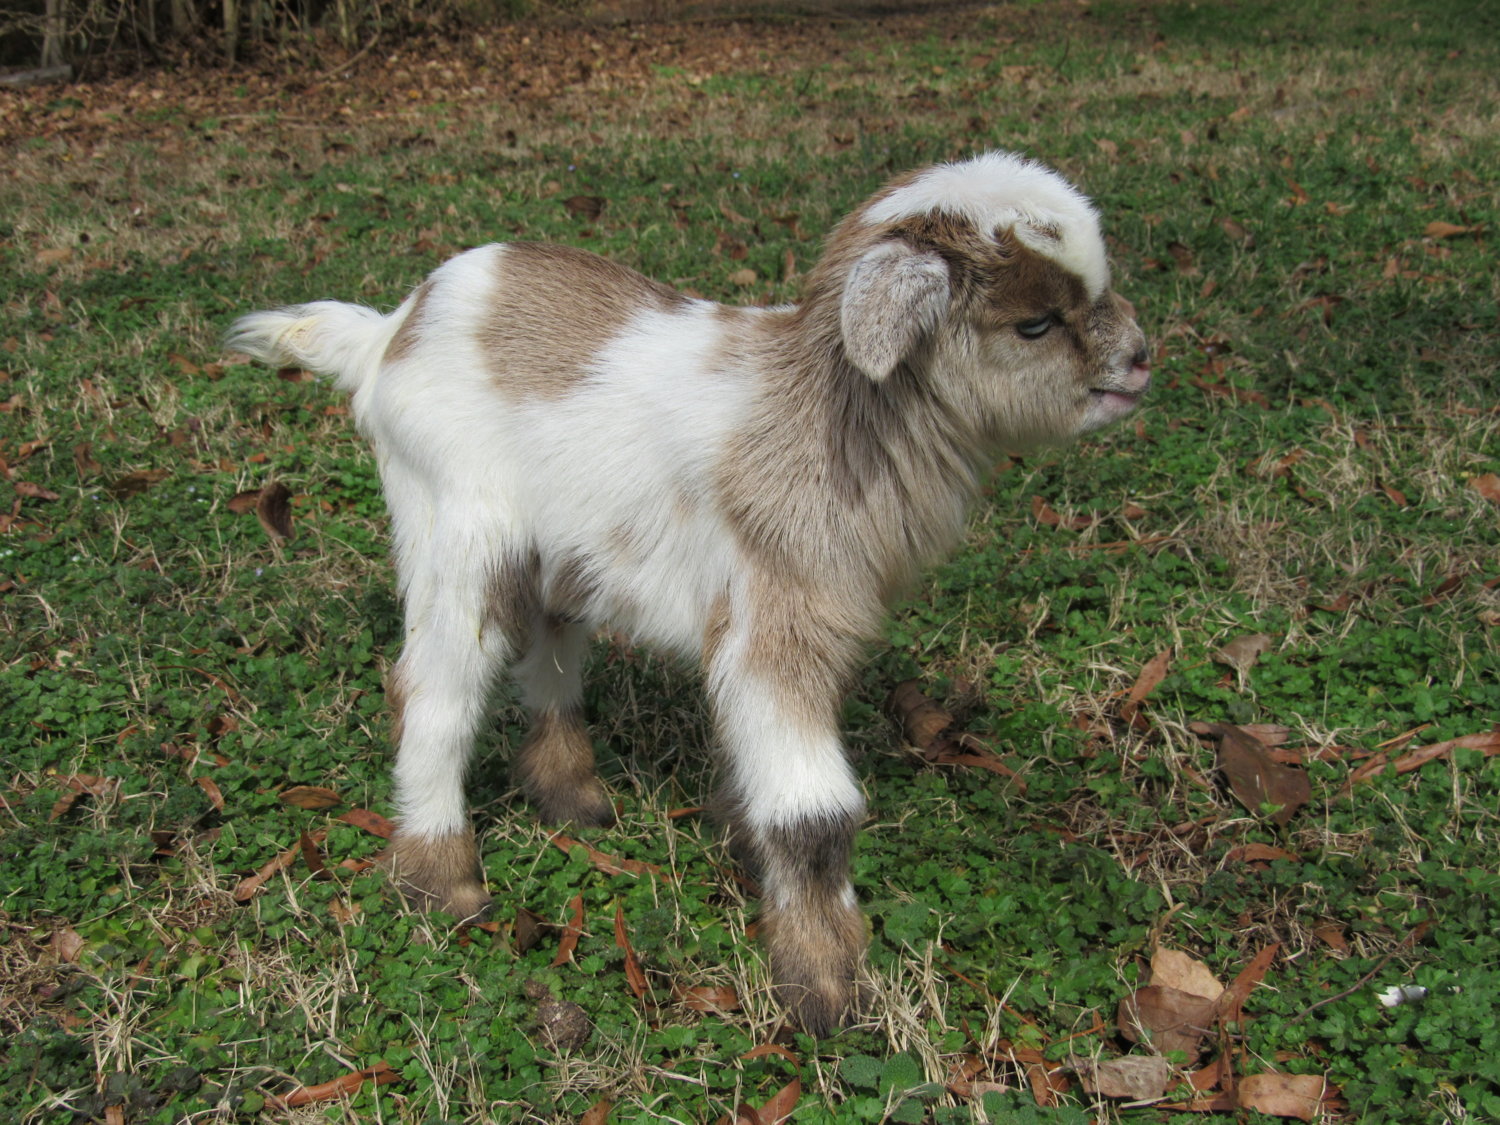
[(880, 475)]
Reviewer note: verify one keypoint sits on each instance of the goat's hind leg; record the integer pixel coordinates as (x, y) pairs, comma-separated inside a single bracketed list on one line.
[(555, 765), (439, 689)]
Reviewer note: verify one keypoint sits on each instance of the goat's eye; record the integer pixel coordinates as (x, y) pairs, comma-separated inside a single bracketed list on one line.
[(1031, 329)]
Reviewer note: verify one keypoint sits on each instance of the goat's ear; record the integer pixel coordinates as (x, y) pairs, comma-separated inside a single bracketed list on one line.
[(895, 295)]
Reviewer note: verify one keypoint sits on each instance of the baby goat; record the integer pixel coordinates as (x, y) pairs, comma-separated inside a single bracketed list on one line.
[(565, 443)]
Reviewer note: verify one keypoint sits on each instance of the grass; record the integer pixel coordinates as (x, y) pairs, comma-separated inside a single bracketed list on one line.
[(1311, 470)]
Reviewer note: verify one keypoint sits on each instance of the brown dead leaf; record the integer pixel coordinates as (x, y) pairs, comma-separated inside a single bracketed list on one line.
[(743, 278), (1439, 229), (1259, 853), (926, 726), (1151, 675), (34, 491), (312, 856), (1255, 778), (709, 998), (83, 785), (571, 933), (1183, 256), (242, 502), (609, 864), (134, 483), (777, 1108), (1168, 1019), (343, 1086), (1140, 1078), (1488, 486), (311, 797), (250, 885), (211, 789), (635, 976), (371, 822), (586, 207), (83, 459), (66, 944), (1044, 513), (273, 508), (1283, 1095), (1173, 968), (598, 1113), (1232, 1003), (1242, 652)]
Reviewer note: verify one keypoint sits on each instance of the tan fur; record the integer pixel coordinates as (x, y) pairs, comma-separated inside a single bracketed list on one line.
[(442, 873), (513, 599), (542, 286), (405, 341), (555, 768)]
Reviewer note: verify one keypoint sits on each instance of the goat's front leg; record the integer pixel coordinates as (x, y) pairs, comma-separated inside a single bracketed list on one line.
[(796, 807), (438, 691)]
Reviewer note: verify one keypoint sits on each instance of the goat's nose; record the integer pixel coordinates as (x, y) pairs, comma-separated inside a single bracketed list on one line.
[(1142, 357)]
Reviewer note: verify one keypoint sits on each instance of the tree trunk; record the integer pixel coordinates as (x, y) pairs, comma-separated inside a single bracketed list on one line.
[(231, 29), (53, 31), (182, 18)]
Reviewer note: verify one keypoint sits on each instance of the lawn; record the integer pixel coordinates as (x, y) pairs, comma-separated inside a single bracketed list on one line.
[(1196, 751)]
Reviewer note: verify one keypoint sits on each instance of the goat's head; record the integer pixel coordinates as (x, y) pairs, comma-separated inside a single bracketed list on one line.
[(988, 280)]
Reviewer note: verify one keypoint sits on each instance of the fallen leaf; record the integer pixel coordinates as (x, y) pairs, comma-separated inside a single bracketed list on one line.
[(709, 998), (609, 864), (211, 789), (1439, 229), (1488, 486), (1254, 777), (83, 785), (251, 884), (571, 933), (134, 483), (34, 491), (587, 207), (83, 459), (598, 1113), (1259, 853), (743, 278), (1044, 513), (1282, 1095), (528, 929), (1151, 675), (274, 510), (341, 1087), (926, 727), (312, 797), (242, 502), (371, 822), (1166, 1018), (1183, 256), (777, 1108), (1176, 969), (1139, 1078), (635, 976), (1232, 1002), (1242, 652), (66, 945)]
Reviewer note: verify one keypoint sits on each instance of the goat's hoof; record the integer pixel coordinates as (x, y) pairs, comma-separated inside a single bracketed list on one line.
[(439, 873), (814, 966), (586, 807)]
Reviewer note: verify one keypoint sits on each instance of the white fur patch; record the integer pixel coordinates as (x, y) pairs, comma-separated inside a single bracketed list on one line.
[(1000, 189)]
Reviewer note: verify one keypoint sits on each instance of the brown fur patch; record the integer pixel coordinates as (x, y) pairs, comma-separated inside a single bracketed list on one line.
[(556, 307), (815, 938), (405, 341), (513, 598), (395, 700), (441, 873), (570, 587), (555, 769)]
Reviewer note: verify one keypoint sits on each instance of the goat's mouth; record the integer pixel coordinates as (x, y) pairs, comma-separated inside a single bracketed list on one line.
[(1116, 398)]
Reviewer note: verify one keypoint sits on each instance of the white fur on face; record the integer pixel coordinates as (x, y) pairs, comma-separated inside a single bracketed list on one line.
[(1001, 190)]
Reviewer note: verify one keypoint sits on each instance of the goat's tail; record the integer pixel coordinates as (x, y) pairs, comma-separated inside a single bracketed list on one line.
[(326, 337)]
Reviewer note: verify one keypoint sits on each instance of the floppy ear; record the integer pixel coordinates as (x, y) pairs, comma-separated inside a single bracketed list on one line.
[(895, 295)]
